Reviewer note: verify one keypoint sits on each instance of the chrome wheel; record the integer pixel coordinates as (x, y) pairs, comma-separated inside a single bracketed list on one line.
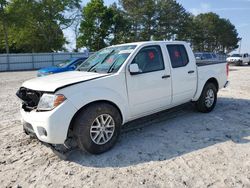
[(209, 100), (102, 129)]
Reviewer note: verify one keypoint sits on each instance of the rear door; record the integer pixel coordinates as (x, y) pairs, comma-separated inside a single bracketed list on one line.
[(150, 90), (184, 73)]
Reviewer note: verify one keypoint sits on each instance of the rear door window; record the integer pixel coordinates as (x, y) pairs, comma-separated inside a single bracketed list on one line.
[(178, 55)]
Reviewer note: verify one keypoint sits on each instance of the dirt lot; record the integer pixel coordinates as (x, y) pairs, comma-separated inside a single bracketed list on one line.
[(172, 149)]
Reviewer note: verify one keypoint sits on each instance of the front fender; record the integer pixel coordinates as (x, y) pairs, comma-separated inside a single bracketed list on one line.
[(81, 99)]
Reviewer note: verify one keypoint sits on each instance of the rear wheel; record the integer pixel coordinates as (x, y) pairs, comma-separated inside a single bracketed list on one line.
[(97, 127), (208, 98)]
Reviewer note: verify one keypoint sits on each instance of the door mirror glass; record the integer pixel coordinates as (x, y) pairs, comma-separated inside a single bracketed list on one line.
[(134, 69)]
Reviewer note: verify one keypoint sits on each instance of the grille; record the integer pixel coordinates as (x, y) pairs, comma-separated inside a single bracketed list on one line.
[(29, 97)]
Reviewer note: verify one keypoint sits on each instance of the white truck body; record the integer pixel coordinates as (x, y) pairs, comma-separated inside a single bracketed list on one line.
[(135, 95), (239, 59)]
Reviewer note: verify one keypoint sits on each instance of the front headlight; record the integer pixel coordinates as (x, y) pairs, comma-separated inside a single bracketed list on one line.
[(50, 101)]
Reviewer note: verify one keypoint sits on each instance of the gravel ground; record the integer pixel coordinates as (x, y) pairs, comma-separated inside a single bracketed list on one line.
[(178, 148)]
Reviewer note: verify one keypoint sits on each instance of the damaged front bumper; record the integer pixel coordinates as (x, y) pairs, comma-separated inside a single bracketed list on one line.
[(63, 151), (49, 126), (28, 129)]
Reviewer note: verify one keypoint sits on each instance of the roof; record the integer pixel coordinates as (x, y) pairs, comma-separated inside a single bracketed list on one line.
[(152, 42)]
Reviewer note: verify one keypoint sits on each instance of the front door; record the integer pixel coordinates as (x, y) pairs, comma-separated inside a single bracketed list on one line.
[(150, 90)]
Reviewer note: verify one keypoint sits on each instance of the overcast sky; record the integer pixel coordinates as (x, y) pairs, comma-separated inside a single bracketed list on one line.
[(237, 11)]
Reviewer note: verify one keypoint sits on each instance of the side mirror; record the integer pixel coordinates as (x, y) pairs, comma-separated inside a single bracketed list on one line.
[(134, 69)]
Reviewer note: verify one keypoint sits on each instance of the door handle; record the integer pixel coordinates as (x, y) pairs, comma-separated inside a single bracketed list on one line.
[(165, 76), (191, 71)]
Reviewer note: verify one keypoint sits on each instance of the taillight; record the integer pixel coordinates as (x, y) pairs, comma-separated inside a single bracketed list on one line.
[(227, 70)]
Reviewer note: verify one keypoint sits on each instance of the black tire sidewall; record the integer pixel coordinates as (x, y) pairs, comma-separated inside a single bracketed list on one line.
[(201, 106), (83, 122)]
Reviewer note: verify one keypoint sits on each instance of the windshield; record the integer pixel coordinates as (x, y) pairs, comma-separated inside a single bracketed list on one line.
[(65, 63), (236, 55), (107, 60)]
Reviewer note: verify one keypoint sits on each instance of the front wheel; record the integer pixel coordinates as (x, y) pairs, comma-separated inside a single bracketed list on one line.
[(208, 98), (97, 127)]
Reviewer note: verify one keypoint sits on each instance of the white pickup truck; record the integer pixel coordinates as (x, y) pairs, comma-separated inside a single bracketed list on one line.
[(114, 86), (239, 59)]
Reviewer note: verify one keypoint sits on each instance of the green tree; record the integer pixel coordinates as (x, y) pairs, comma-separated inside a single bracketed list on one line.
[(157, 19), (132, 9), (149, 20), (36, 26), (4, 25), (95, 26), (120, 28), (212, 33), (228, 39), (173, 21), (144, 18)]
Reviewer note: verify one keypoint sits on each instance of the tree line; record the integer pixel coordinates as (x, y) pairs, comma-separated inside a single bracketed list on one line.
[(37, 26)]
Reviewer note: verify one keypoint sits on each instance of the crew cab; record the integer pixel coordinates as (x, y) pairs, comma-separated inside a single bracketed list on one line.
[(239, 59), (114, 86)]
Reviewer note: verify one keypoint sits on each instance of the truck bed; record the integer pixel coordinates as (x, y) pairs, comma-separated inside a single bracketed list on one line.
[(204, 63), (217, 70)]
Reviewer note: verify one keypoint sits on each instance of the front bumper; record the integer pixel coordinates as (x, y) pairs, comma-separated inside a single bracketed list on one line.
[(50, 126), (28, 129)]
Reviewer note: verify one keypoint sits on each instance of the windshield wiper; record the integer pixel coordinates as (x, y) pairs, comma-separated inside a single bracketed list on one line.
[(101, 61), (112, 67)]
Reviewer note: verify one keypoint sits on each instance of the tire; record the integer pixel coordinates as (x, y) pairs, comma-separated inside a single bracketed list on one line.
[(207, 105), (248, 63), (239, 63), (90, 130)]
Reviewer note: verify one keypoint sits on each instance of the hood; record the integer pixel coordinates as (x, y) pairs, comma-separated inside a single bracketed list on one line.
[(52, 82)]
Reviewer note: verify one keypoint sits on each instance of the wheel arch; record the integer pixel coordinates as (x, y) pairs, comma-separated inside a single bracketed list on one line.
[(213, 81), (91, 103)]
